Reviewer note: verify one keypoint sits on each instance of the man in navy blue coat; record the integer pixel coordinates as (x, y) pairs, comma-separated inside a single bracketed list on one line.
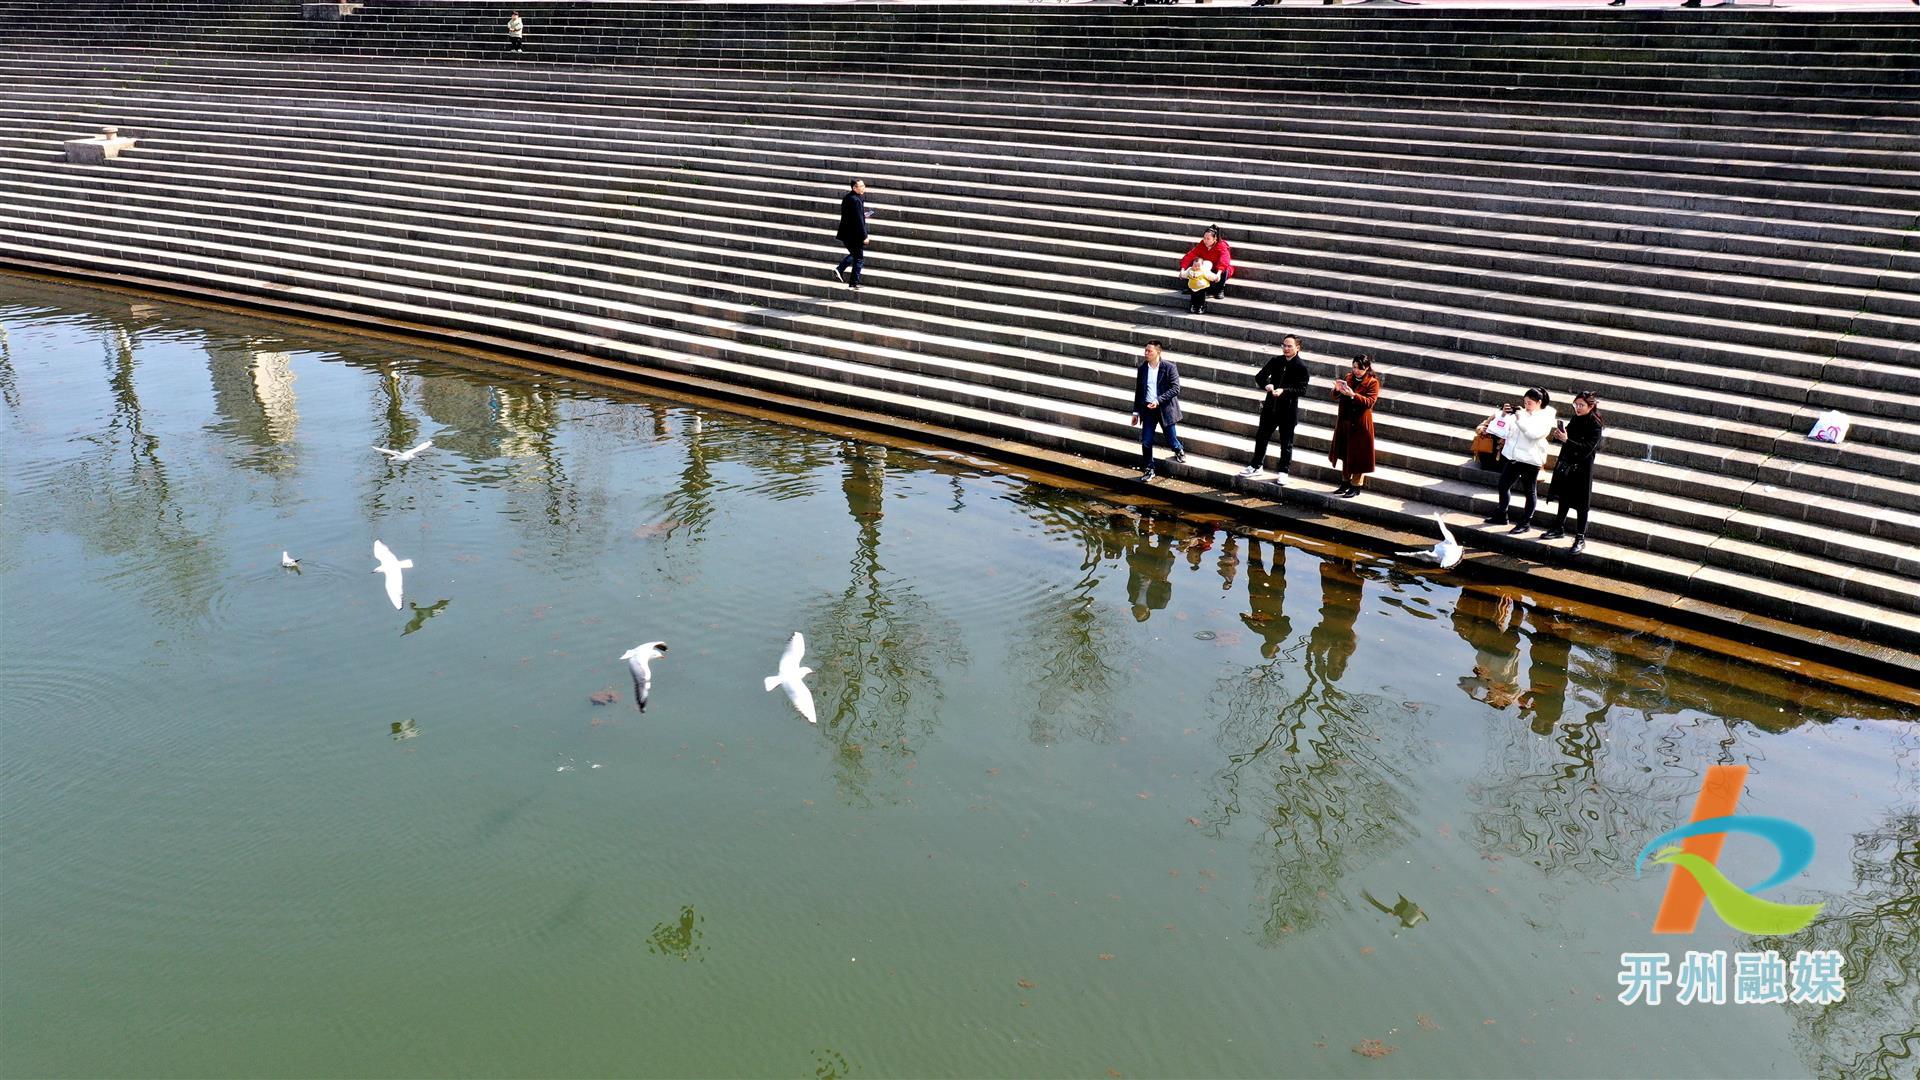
[(1156, 401)]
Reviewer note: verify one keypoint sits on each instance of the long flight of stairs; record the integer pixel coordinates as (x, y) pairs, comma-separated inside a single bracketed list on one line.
[(1711, 219)]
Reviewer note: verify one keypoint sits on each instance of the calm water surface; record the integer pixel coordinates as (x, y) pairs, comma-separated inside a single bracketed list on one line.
[(1095, 791)]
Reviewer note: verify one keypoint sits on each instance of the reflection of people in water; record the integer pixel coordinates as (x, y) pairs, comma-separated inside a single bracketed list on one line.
[(1198, 545), (1488, 622), (1149, 572), (1548, 653), (1332, 642), (1229, 562), (1267, 598)]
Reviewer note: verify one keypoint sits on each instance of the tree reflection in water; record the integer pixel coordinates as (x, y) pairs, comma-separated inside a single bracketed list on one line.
[(1071, 646), (9, 381), (121, 501), (879, 647), (1875, 1032), (1325, 770)]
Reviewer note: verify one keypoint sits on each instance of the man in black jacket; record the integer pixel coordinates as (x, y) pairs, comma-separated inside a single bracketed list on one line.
[(853, 233), (1156, 400), (1281, 382)]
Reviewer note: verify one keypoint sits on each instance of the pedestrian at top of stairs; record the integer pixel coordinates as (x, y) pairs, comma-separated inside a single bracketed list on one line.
[(1213, 249), (516, 33), (1352, 449), (853, 233)]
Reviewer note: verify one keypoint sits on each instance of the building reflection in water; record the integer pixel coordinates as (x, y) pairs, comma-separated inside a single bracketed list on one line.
[(1325, 770), (253, 394)]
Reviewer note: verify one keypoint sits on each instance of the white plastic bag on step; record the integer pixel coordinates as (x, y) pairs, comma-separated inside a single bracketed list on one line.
[(1831, 427)]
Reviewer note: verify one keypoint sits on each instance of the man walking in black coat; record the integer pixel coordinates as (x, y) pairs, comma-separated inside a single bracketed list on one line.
[(1156, 400), (853, 233), (1281, 382)]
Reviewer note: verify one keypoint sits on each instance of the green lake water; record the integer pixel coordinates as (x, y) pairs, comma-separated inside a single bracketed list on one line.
[(1096, 790)]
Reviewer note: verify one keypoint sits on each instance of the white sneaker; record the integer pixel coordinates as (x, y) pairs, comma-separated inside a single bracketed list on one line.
[(1251, 472)]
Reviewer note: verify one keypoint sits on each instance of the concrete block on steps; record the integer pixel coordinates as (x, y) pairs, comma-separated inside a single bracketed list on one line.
[(97, 149), (330, 11)]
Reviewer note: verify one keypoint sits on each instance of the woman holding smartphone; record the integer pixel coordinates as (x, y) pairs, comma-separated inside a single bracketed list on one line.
[(1572, 486)]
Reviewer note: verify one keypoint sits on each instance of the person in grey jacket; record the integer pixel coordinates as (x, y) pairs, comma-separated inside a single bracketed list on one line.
[(1156, 401)]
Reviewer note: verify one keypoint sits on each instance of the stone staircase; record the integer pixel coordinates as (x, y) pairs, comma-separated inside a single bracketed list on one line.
[(1712, 219)]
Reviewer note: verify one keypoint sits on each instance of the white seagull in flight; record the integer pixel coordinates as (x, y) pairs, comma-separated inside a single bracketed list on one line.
[(638, 662), (404, 455), (391, 567), (792, 676)]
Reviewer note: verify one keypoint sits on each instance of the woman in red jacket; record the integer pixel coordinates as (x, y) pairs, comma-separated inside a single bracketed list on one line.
[(1352, 448), (1213, 248)]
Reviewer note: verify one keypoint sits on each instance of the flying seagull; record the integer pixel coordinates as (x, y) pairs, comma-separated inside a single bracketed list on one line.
[(639, 663), (1445, 554), (288, 562), (391, 567), (792, 677), (404, 455)]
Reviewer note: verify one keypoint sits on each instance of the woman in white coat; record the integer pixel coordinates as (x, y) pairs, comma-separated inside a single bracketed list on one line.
[(1528, 426)]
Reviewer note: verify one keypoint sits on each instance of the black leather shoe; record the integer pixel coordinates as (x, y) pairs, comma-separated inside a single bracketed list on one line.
[(1580, 542), (1349, 493), (1498, 520), (1552, 534), (1518, 530)]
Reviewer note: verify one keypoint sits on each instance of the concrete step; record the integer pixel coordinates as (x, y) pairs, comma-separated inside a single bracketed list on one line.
[(1884, 232), (1643, 100), (1764, 133), (1860, 87), (978, 246), (1146, 134), (1600, 294), (576, 80), (1888, 207), (1877, 291)]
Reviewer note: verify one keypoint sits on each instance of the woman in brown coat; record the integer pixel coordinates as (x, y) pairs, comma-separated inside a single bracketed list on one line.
[(1352, 448)]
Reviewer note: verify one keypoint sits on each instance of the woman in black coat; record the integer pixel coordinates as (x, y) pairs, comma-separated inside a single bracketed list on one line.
[(1572, 486)]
